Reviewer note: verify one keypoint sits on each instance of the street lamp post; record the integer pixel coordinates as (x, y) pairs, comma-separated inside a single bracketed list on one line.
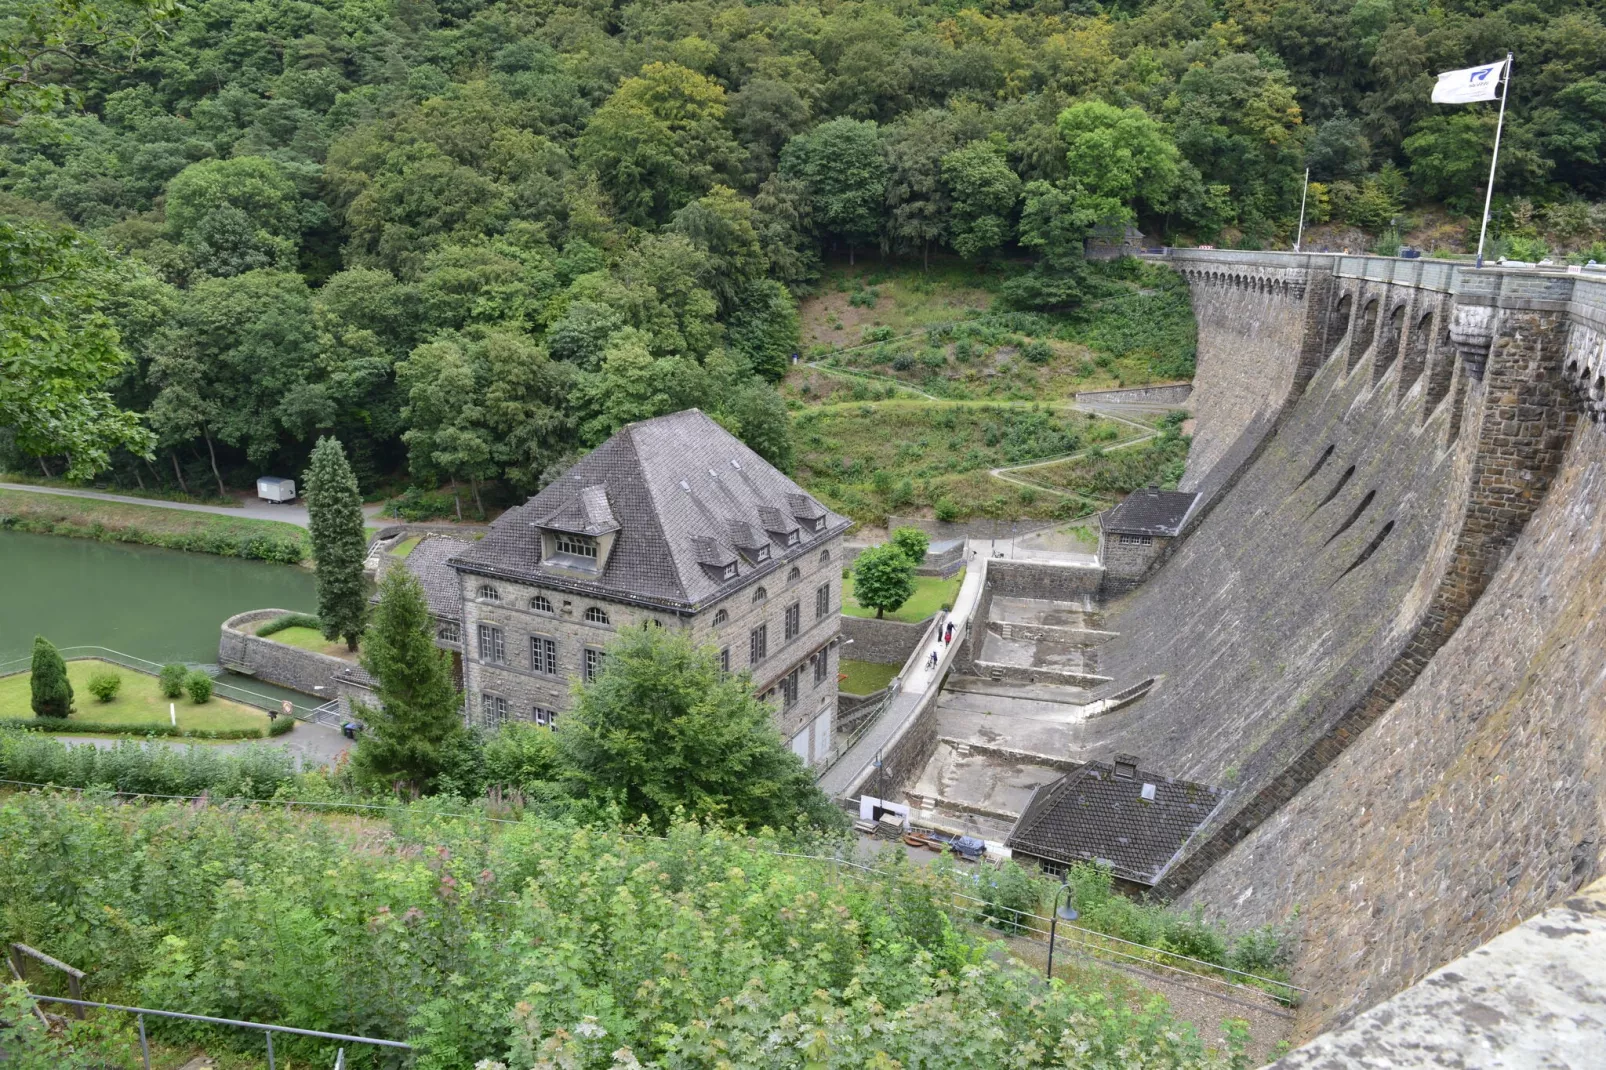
[(1061, 913)]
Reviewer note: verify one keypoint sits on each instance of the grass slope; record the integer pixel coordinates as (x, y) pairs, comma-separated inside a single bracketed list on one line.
[(865, 677), (312, 639), (140, 701), (213, 533)]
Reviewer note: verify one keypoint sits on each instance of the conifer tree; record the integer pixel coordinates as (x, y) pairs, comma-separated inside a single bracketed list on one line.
[(407, 738), (52, 691), (334, 510)]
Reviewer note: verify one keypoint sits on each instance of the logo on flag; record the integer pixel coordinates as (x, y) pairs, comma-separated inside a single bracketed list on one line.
[(1470, 85)]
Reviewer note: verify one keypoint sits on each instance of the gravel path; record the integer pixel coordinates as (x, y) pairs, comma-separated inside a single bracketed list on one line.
[(290, 513)]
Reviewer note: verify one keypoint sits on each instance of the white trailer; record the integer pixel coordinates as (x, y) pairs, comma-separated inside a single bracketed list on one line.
[(276, 489)]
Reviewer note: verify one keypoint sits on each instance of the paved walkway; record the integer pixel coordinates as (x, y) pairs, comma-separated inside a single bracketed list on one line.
[(290, 513), (923, 681)]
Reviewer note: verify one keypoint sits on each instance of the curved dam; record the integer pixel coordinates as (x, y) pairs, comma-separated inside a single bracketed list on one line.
[(1382, 629)]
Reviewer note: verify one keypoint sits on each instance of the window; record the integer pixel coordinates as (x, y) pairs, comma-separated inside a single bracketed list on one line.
[(541, 604), (721, 617), (819, 523), (492, 648), (1135, 540), (725, 660), (544, 655), (795, 575), (487, 593), (493, 710), (596, 615), (730, 571), (546, 718), (448, 631), (576, 545), (793, 538), (758, 644), (822, 667), (760, 595), (789, 687), (825, 557), (794, 621), (593, 663), (822, 601)]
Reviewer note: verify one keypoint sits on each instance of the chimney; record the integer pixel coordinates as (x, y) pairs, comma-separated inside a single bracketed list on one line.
[(1126, 766)]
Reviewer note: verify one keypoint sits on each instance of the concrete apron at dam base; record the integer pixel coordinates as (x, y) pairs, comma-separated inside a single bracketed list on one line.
[(1380, 630)]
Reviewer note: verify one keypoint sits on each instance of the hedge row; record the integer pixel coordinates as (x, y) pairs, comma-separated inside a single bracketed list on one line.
[(289, 620), (153, 728)]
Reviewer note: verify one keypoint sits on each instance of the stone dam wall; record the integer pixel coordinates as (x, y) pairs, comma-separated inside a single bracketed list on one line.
[(1381, 629)]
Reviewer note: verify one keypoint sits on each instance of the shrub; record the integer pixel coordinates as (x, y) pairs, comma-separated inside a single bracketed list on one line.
[(1038, 352), (946, 510), (199, 687), (878, 334), (281, 725), (105, 684), (865, 298), (902, 362), (171, 679), (51, 691), (288, 620)]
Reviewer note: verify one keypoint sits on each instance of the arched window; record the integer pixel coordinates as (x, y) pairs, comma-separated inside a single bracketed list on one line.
[(597, 615), (721, 617), (759, 595), (795, 575), (489, 593), (541, 604), (825, 557)]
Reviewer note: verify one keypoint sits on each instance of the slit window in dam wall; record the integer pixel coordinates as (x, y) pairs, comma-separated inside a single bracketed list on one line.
[(1371, 548), (1343, 479), (1340, 323), (1354, 516), (1317, 467)]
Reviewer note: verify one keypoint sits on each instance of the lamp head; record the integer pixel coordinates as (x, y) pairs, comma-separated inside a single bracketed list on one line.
[(1067, 913)]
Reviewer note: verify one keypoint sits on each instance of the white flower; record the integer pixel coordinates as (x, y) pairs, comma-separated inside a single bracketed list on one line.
[(590, 1029)]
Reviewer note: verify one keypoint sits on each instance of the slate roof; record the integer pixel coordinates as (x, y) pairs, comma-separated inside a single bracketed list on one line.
[(1092, 814), (683, 494), (1150, 511), (428, 562)]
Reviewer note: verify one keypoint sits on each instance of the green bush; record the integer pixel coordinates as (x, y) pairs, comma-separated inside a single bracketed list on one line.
[(902, 362), (280, 725), (49, 689), (1038, 352), (171, 679), (255, 772), (878, 334), (198, 685), (945, 509), (419, 505), (123, 728), (105, 684), (288, 620)]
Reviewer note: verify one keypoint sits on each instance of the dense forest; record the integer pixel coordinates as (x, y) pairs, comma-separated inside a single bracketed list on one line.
[(474, 237)]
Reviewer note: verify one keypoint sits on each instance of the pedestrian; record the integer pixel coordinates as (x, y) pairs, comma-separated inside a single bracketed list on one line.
[(949, 637)]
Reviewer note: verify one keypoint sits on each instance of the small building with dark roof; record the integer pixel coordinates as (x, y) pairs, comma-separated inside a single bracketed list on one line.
[(1113, 813), (673, 522), (1135, 533)]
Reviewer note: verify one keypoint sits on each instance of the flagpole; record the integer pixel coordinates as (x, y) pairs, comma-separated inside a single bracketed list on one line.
[(1303, 193), (1488, 194)]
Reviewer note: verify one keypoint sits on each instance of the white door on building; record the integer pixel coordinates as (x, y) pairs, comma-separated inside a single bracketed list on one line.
[(800, 743)]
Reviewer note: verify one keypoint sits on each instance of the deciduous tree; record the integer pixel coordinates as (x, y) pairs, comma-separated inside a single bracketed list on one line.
[(842, 165), (883, 578)]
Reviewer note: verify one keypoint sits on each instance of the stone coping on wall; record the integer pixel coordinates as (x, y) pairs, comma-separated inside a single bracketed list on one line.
[(241, 650)]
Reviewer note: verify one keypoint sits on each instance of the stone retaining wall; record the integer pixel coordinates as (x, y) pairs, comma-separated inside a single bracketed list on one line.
[(1167, 394), (241, 650), (971, 529), (884, 642)]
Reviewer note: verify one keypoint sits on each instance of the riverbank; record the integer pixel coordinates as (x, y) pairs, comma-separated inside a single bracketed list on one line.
[(45, 513)]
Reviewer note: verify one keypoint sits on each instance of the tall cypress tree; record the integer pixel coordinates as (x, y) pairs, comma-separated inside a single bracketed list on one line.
[(406, 739), (52, 691), (334, 508)]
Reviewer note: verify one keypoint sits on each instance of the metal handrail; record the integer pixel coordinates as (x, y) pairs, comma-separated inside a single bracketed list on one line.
[(267, 1030)]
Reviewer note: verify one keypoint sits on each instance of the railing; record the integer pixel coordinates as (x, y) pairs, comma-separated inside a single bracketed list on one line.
[(140, 1014), (129, 661)]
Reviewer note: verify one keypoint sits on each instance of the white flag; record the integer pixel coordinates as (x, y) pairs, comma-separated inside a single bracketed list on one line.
[(1472, 84)]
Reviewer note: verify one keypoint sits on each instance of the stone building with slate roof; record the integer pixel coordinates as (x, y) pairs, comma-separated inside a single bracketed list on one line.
[(1136, 532), (1115, 814), (672, 521)]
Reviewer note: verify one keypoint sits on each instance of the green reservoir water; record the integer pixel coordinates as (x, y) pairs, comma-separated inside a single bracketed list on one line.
[(160, 605)]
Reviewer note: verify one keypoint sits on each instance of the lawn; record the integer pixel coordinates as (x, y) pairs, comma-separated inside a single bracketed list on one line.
[(312, 639), (212, 533), (931, 594), (405, 547), (865, 677), (140, 701)]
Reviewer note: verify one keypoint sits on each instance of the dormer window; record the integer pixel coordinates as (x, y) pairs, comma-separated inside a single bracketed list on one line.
[(730, 571), (487, 593), (577, 545), (793, 538), (819, 523)]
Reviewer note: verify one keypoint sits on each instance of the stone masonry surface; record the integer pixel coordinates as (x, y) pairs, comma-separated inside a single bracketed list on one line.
[(242, 650)]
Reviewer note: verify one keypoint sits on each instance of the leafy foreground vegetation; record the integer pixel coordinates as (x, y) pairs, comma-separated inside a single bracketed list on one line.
[(540, 943), (150, 525)]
